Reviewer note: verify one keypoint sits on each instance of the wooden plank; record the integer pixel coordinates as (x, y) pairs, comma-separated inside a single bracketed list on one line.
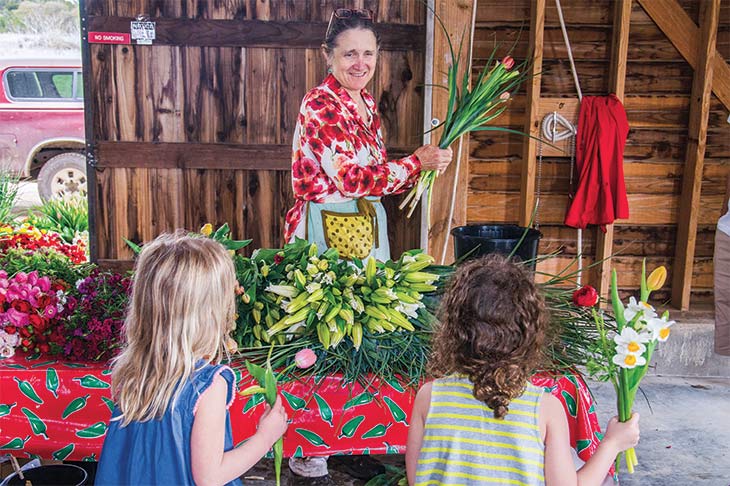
[(645, 145), (203, 155), (262, 97), (256, 33), (458, 19), (629, 270), (685, 35), (692, 178), (601, 277), (648, 43), (660, 209), (532, 122)]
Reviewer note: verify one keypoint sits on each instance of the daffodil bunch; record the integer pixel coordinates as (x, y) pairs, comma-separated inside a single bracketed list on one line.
[(623, 357)]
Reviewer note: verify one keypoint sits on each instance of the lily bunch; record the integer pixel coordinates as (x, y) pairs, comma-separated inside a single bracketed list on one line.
[(367, 317), (623, 356), (470, 110)]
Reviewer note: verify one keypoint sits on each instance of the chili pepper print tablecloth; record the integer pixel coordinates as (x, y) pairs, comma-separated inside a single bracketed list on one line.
[(60, 410)]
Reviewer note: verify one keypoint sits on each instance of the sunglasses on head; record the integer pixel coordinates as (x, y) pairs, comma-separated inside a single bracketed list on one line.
[(346, 13)]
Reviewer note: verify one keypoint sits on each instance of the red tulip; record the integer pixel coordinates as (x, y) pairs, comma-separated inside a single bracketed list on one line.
[(305, 358), (508, 62), (585, 296)]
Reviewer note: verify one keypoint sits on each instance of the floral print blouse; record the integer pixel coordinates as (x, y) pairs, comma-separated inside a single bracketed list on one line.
[(337, 156)]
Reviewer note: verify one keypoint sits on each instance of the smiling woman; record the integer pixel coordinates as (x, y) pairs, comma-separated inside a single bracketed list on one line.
[(340, 168)]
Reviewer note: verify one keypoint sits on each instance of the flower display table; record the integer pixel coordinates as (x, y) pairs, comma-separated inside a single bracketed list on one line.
[(60, 410)]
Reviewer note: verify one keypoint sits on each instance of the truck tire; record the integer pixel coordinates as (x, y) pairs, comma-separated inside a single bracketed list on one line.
[(63, 175)]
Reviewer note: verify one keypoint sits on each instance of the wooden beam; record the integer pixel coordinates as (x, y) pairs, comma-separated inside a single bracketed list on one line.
[(195, 155), (679, 28), (694, 162), (458, 19), (617, 82), (532, 120), (256, 33)]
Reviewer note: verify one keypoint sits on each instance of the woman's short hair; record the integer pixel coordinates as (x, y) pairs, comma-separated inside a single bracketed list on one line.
[(344, 19)]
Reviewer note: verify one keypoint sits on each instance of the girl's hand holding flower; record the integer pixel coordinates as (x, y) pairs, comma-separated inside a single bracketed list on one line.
[(274, 421)]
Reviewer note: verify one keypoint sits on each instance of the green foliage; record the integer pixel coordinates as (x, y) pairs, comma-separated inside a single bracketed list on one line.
[(46, 262), (68, 217), (39, 16), (8, 195)]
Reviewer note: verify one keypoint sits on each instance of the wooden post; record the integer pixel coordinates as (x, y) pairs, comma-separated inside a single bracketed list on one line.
[(458, 19), (694, 161), (532, 114), (617, 81)]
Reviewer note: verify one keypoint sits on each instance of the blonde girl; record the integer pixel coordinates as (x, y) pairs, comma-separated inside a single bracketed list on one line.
[(481, 421), (171, 423)]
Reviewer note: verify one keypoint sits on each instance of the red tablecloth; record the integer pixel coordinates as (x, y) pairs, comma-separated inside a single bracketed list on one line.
[(60, 410)]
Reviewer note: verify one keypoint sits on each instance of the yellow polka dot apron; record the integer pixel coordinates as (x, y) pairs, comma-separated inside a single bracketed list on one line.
[(357, 228)]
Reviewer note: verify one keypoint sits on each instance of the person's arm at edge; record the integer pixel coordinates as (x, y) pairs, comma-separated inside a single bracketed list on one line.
[(416, 430), (210, 464)]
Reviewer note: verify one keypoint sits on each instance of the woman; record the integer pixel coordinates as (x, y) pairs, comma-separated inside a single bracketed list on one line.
[(339, 164)]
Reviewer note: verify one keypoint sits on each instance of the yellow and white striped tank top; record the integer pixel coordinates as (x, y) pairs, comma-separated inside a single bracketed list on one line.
[(464, 444)]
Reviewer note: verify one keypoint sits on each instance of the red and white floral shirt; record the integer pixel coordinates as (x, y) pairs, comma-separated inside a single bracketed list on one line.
[(337, 156)]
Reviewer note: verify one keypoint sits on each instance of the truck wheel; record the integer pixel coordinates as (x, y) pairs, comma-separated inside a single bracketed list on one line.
[(63, 175)]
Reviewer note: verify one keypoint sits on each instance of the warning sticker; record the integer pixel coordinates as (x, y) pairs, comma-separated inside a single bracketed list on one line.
[(109, 38), (142, 31)]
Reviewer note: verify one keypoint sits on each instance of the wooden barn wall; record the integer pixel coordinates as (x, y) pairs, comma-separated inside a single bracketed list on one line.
[(198, 127), (658, 86)]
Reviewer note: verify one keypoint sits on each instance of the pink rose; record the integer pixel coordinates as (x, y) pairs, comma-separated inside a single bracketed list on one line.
[(305, 358)]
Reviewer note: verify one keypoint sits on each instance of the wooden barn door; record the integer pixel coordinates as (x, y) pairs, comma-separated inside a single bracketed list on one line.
[(197, 127)]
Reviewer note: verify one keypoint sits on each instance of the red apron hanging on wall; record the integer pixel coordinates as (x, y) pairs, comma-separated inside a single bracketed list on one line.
[(601, 194)]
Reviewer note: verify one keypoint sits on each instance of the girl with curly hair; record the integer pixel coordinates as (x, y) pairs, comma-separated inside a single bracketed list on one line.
[(481, 421)]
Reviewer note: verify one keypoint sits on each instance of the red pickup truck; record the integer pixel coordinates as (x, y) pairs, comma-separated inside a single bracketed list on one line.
[(42, 123)]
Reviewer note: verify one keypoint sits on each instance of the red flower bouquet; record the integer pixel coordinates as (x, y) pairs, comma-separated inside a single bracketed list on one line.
[(29, 238)]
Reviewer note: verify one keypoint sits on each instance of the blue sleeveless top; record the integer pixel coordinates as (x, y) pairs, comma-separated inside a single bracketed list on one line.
[(158, 451)]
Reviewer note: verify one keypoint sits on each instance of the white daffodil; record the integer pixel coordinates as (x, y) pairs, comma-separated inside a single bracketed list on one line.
[(327, 279), (628, 360), (630, 341), (659, 328), (638, 307)]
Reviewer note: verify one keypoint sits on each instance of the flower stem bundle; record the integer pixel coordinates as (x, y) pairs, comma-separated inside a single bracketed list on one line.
[(624, 357), (470, 110)]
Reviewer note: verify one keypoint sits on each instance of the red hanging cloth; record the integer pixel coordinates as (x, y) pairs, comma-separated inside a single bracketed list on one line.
[(601, 194)]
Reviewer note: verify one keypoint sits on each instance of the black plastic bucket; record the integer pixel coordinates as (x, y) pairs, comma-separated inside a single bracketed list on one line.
[(52, 475), (482, 239)]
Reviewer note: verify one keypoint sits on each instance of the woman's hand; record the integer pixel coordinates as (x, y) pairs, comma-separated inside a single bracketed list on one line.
[(433, 158)]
